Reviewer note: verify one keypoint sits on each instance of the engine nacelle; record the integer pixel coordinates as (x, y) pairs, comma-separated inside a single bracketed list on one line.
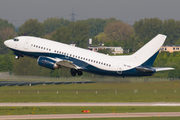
[(47, 62)]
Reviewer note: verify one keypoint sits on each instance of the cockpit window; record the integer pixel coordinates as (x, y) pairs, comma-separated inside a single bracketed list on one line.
[(15, 39)]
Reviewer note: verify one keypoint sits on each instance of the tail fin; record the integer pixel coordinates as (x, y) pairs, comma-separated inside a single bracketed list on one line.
[(144, 58), (146, 55), (150, 61)]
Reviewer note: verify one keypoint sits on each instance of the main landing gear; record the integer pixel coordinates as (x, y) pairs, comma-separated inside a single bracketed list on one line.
[(74, 72)]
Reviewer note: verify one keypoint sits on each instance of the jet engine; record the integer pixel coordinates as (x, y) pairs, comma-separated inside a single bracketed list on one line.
[(47, 62)]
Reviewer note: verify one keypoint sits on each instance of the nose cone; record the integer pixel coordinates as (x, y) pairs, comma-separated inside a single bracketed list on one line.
[(8, 43)]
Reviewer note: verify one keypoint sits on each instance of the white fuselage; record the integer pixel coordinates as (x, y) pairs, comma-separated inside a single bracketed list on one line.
[(84, 59)]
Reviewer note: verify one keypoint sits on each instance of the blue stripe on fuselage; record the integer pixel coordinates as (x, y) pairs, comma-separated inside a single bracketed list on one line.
[(86, 67)]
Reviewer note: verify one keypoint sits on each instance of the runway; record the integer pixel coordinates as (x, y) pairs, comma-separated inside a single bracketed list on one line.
[(88, 104), (93, 115), (89, 115)]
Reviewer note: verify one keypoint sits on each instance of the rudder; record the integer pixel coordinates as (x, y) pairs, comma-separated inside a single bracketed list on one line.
[(150, 61)]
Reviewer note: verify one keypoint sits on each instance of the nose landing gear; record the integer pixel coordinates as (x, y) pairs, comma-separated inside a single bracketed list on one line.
[(16, 57)]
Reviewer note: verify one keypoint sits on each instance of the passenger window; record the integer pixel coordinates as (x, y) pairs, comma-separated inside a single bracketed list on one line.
[(54, 50), (41, 47), (49, 49)]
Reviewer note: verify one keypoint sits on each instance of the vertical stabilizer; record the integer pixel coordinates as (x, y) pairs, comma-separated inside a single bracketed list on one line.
[(150, 61), (148, 53)]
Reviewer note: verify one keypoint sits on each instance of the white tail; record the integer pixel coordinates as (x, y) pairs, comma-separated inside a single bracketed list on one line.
[(146, 55), (148, 50)]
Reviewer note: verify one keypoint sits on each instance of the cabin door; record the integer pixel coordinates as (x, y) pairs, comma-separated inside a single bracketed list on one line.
[(26, 44), (119, 69)]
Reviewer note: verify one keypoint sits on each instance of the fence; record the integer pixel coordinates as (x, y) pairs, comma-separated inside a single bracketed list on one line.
[(93, 78)]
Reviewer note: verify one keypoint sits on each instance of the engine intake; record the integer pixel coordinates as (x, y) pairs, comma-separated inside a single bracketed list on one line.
[(47, 62)]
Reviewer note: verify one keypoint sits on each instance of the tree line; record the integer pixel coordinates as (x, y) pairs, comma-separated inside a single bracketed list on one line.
[(111, 32)]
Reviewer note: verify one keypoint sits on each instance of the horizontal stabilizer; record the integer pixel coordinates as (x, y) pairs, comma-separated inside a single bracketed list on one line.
[(162, 68)]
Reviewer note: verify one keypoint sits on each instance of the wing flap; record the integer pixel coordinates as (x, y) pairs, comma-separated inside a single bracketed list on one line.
[(66, 63)]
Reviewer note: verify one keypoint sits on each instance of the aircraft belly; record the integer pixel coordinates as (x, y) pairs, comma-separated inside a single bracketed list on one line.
[(85, 66)]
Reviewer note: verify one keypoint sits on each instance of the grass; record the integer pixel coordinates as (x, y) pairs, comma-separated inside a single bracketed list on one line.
[(167, 91), (96, 92), (78, 110), (145, 118)]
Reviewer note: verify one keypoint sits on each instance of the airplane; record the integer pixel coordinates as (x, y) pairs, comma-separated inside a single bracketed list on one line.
[(55, 55)]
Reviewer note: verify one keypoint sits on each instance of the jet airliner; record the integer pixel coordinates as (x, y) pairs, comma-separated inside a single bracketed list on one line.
[(54, 55)]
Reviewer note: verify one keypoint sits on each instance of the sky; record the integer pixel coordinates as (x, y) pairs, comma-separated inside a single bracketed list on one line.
[(129, 11)]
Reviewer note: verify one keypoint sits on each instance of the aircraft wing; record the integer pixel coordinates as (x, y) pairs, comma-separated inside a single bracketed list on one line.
[(66, 63), (162, 68)]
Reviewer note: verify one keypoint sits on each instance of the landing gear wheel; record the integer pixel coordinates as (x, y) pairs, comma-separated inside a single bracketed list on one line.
[(73, 72), (80, 73), (16, 57)]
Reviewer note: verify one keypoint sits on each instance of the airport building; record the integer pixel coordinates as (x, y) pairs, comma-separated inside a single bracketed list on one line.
[(116, 50), (170, 48)]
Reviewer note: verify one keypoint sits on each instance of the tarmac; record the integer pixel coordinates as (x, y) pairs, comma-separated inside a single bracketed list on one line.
[(89, 115), (90, 104)]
